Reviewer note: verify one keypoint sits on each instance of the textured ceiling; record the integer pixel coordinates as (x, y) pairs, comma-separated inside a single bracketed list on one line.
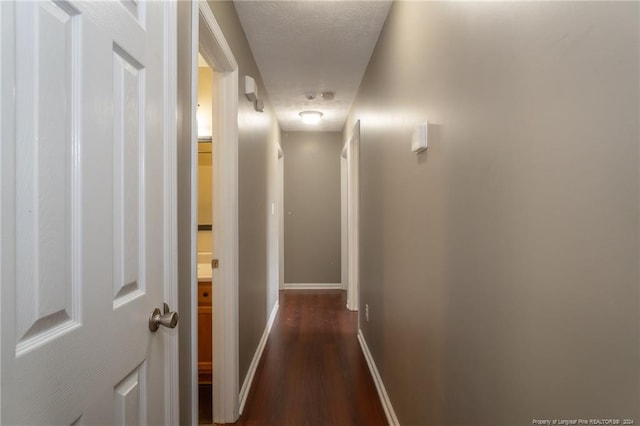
[(312, 46)]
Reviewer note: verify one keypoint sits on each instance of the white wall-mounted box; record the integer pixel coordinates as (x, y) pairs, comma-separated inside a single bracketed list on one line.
[(419, 138), (250, 88)]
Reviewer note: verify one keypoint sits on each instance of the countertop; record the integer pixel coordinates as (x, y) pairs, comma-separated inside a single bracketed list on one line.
[(204, 272)]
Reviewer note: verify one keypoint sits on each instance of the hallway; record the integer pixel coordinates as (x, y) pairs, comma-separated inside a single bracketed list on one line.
[(469, 171), (312, 371)]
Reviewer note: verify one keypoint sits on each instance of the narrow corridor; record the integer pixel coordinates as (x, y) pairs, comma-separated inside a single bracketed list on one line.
[(313, 371)]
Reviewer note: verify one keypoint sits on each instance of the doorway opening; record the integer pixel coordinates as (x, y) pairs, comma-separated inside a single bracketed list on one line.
[(207, 39), (350, 183), (204, 255)]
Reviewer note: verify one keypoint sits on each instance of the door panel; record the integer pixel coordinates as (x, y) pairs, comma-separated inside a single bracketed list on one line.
[(130, 400), (128, 111), (46, 179), (82, 217)]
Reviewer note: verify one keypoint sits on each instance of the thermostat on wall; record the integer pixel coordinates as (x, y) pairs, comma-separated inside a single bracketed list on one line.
[(419, 138)]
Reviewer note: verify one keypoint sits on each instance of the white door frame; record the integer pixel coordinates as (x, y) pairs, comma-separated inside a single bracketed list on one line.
[(280, 212), (208, 39), (352, 148), (344, 219)]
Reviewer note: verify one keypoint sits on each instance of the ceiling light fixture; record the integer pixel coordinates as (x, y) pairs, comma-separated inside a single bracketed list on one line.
[(311, 117)]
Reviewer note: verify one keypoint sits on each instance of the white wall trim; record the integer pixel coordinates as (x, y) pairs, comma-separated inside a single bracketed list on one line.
[(353, 218), (248, 380), (382, 392), (280, 210), (216, 51), (344, 219), (313, 286)]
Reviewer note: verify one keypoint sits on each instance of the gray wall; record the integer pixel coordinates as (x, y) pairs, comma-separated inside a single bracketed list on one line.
[(183, 107), (312, 206), (259, 136), (501, 265)]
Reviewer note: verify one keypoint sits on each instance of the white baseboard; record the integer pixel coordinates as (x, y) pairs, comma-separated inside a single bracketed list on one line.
[(382, 392), (313, 286), (248, 380)]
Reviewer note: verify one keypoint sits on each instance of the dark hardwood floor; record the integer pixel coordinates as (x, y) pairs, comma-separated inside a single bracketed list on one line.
[(312, 371)]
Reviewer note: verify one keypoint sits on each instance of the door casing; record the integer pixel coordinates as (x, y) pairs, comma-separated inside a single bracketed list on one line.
[(352, 151), (208, 39)]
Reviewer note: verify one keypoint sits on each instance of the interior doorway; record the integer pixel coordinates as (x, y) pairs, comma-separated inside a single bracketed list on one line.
[(207, 39), (350, 181), (280, 218), (204, 245)]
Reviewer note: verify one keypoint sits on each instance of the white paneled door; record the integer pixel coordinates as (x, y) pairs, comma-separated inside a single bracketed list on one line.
[(85, 212)]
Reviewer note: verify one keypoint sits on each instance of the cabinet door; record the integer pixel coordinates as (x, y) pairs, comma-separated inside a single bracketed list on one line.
[(204, 333)]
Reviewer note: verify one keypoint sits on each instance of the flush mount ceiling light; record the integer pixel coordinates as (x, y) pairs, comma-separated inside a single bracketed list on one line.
[(311, 117)]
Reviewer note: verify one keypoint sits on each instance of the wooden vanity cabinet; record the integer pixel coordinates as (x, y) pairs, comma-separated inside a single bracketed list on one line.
[(205, 310)]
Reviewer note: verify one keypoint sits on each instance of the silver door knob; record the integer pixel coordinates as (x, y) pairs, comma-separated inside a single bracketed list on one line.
[(167, 319)]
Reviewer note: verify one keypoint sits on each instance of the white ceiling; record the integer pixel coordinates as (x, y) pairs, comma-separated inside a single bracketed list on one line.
[(312, 46)]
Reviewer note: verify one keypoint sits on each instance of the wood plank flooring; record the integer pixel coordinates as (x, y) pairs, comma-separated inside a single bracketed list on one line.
[(313, 371)]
